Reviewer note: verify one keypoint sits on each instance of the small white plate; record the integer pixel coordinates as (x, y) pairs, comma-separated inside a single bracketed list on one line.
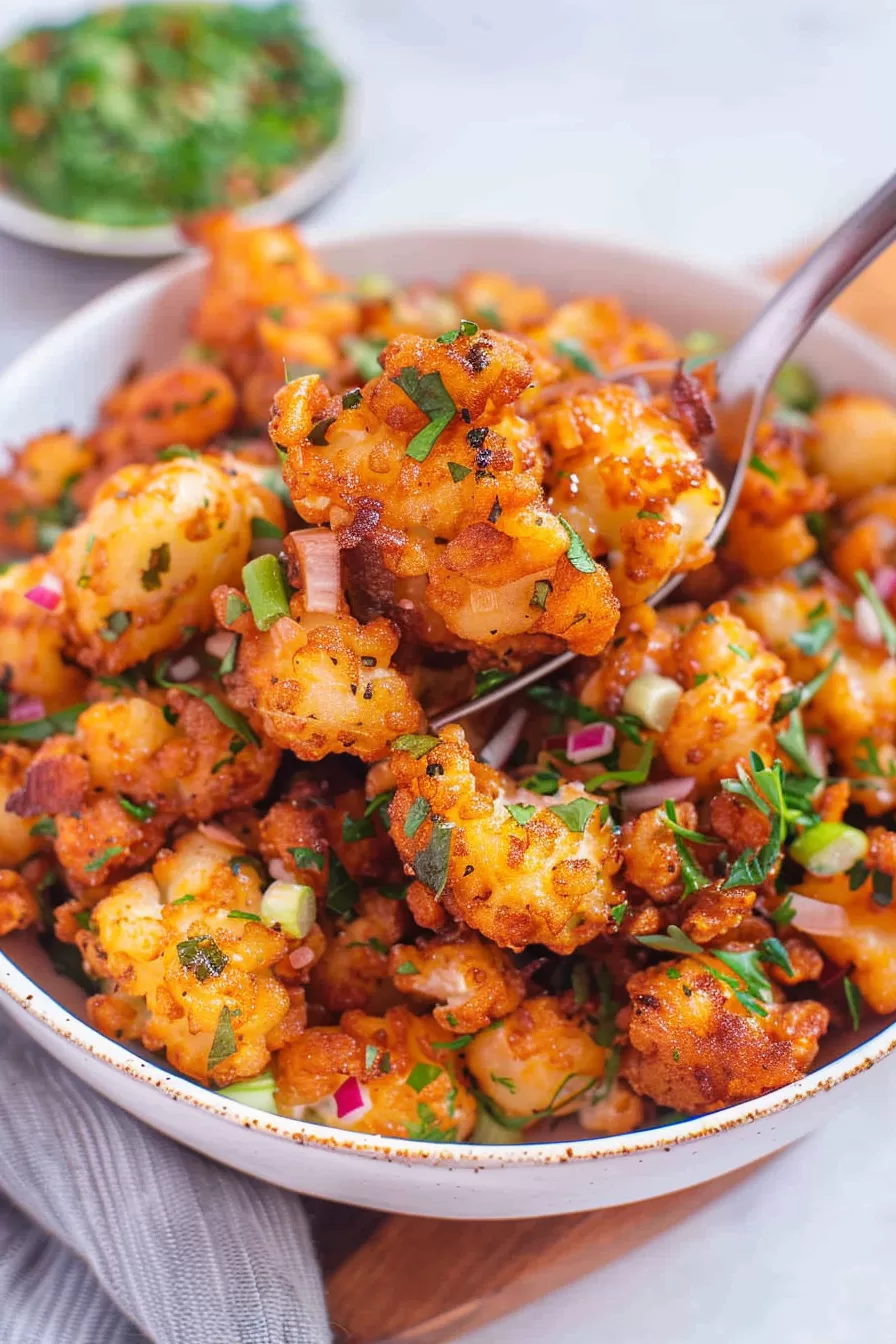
[(309, 186)]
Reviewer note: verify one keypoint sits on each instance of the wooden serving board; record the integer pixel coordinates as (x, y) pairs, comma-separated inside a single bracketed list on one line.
[(388, 1278)]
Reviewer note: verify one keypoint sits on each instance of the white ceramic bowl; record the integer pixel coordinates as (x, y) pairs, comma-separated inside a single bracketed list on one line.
[(61, 380)]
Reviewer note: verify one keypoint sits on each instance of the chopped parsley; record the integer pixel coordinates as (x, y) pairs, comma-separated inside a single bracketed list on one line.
[(342, 890), (418, 811), (575, 815), (431, 864), (431, 397), (224, 1043), (618, 912), (751, 987), (417, 744), (46, 827), (522, 813), (116, 624), (577, 552), (793, 741), (364, 355), (540, 594), (466, 328), (636, 774), (421, 1075), (234, 608), (142, 811), (757, 464), (202, 956), (458, 471), (573, 351), (35, 730), (159, 564), (221, 710), (488, 679), (407, 968), (774, 951), (802, 694), (102, 859), (304, 857)]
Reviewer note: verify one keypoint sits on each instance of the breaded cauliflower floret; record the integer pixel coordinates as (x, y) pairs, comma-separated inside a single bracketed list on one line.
[(410, 1088), (35, 489), (693, 1046), (356, 959), (17, 842), (170, 938), (320, 684), (473, 982), (536, 1062), (768, 531), (630, 483), (188, 404), (649, 854), (466, 511), (541, 877), (32, 661), (144, 561), (19, 908), (601, 331)]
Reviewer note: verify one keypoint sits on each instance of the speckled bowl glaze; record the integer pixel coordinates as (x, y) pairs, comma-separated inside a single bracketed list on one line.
[(61, 380)]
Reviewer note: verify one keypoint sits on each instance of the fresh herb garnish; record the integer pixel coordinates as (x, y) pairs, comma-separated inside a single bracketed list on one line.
[(814, 639), (636, 774), (417, 744), (221, 710), (431, 864), (576, 814), (573, 350), (159, 564), (102, 859), (884, 619), (793, 741), (431, 397), (421, 1075), (618, 912), (407, 968), (458, 471), (308, 858), (224, 1043), (802, 694), (540, 594), (757, 464), (751, 988), (342, 890), (466, 328), (417, 813), (235, 607), (202, 956), (774, 951), (142, 811), (35, 730), (364, 355), (853, 996), (488, 678), (522, 813), (577, 552), (116, 624), (263, 528)]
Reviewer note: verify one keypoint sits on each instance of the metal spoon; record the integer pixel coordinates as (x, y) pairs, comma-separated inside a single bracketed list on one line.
[(744, 374)]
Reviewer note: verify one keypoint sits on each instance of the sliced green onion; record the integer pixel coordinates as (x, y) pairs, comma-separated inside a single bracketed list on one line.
[(257, 1092), (266, 590), (653, 699), (488, 1130), (291, 905), (796, 387), (829, 847)]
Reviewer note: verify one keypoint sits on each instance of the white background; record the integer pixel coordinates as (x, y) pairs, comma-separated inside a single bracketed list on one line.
[(726, 131)]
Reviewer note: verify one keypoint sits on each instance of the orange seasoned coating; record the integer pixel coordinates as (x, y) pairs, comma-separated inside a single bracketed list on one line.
[(693, 1046), (17, 842), (144, 561), (320, 684), (536, 1062), (358, 837), (472, 981), (189, 404), (769, 531), (650, 858), (33, 659), (544, 879), (293, 834), (868, 541), (625, 476), (619, 1110), (716, 912), (171, 939), (494, 299), (854, 443), (854, 710), (19, 908), (414, 1090), (103, 841), (469, 513), (356, 959)]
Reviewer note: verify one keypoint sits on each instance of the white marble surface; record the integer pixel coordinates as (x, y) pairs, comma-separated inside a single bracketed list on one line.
[(724, 130)]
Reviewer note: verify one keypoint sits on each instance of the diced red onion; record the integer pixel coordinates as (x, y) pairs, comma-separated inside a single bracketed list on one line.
[(317, 551), (820, 918), (867, 626), (498, 750), (212, 830), (218, 643), (586, 744), (300, 957), (184, 669), (817, 756), (885, 582), (278, 869), (25, 708), (46, 594), (352, 1100), (646, 796)]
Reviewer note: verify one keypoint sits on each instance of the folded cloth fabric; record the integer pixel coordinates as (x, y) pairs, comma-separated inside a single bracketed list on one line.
[(113, 1234)]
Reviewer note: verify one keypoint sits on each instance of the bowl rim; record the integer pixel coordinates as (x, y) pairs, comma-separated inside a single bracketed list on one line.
[(39, 1004)]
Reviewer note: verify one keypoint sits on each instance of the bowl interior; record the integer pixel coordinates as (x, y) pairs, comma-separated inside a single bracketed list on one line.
[(145, 322)]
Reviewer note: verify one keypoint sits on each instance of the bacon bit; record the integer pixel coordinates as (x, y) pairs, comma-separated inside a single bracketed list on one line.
[(691, 405), (213, 831), (57, 784), (300, 957)]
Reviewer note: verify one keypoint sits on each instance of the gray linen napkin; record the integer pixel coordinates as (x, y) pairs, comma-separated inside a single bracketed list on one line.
[(113, 1234)]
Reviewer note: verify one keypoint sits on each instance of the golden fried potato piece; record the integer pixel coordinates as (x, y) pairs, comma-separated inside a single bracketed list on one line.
[(854, 710), (629, 482), (17, 842), (536, 1062), (854, 443), (768, 531), (693, 1046), (170, 938), (32, 641), (143, 563), (411, 1088), (19, 908), (618, 1112), (35, 496), (473, 982), (321, 684), (356, 960), (549, 879)]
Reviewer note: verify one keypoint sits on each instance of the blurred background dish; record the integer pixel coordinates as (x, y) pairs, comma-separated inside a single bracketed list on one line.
[(117, 124)]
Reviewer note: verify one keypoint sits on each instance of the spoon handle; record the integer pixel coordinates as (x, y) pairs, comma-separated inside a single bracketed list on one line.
[(748, 367)]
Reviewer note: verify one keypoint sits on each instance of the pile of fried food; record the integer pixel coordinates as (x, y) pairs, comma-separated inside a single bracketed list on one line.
[(645, 892)]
